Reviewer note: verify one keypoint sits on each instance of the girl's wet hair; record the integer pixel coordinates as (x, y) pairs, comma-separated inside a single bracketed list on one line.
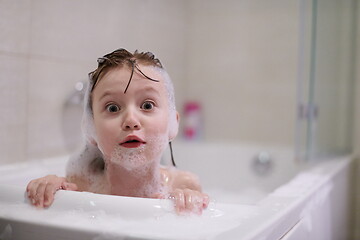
[(119, 58)]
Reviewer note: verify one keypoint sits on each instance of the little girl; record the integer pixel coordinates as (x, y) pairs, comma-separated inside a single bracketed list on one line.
[(129, 120)]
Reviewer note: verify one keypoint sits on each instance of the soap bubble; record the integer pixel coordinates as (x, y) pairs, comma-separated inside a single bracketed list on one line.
[(129, 158)]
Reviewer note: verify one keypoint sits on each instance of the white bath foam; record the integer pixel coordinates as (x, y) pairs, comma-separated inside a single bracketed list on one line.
[(130, 158), (141, 162), (98, 183), (79, 164), (138, 158), (87, 165)]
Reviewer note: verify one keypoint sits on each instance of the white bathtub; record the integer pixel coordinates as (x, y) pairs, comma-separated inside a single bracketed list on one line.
[(286, 203)]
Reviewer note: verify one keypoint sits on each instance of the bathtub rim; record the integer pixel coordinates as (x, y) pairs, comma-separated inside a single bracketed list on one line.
[(293, 208), (288, 210)]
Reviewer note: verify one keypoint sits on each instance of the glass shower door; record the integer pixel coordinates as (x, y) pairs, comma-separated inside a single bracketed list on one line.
[(325, 78)]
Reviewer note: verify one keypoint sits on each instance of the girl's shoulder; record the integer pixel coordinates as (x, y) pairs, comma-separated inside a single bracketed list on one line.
[(180, 179)]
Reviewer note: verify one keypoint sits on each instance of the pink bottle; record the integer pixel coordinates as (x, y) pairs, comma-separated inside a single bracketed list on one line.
[(192, 121)]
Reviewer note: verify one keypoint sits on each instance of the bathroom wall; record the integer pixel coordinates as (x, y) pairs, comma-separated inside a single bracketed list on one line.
[(47, 46), (356, 133), (238, 58), (242, 67)]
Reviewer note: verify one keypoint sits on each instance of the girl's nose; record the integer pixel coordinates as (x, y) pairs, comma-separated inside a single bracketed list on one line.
[(131, 121)]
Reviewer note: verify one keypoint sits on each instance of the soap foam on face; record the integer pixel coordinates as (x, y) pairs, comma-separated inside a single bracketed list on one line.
[(142, 161), (129, 158), (141, 157)]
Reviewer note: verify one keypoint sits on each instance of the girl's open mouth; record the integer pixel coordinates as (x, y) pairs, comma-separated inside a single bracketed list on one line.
[(132, 142)]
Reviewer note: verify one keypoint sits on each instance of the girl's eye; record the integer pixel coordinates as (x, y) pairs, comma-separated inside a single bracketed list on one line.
[(112, 108), (147, 105)]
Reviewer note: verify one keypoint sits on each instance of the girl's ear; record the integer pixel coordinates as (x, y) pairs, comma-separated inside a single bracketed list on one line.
[(174, 125)]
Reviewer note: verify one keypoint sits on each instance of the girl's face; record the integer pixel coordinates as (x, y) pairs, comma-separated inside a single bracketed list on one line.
[(132, 128)]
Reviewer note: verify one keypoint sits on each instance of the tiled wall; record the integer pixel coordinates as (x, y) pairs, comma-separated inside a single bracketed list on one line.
[(244, 68), (238, 59), (48, 46), (14, 71)]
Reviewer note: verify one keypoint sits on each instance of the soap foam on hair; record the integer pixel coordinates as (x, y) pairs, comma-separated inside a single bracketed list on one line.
[(81, 166)]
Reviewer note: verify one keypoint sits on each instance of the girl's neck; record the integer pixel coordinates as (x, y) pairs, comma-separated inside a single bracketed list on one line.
[(139, 182)]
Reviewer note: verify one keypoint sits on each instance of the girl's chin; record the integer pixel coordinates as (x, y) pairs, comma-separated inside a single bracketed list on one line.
[(134, 158)]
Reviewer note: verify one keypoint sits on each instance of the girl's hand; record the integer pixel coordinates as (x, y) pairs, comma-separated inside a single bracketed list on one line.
[(41, 191), (189, 201)]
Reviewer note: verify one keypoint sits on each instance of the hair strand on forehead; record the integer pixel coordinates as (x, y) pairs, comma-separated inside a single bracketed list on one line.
[(119, 58), (133, 67)]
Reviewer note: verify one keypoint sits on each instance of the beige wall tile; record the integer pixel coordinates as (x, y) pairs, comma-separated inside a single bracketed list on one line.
[(80, 30), (242, 70), (51, 83), (15, 20), (13, 116), (59, 52), (93, 28), (245, 98), (84, 30)]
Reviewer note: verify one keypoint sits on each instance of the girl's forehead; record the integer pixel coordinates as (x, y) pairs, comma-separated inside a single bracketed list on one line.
[(117, 79), (124, 73)]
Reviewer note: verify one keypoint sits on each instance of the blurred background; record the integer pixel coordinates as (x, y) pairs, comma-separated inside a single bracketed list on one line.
[(275, 73), (237, 60), (266, 72)]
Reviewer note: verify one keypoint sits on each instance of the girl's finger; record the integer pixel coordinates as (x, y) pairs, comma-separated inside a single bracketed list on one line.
[(39, 196), (69, 186), (49, 194), (32, 191), (178, 197), (188, 199), (206, 201), (194, 201)]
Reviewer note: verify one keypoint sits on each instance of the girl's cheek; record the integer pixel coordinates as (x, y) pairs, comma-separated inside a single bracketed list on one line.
[(105, 146)]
